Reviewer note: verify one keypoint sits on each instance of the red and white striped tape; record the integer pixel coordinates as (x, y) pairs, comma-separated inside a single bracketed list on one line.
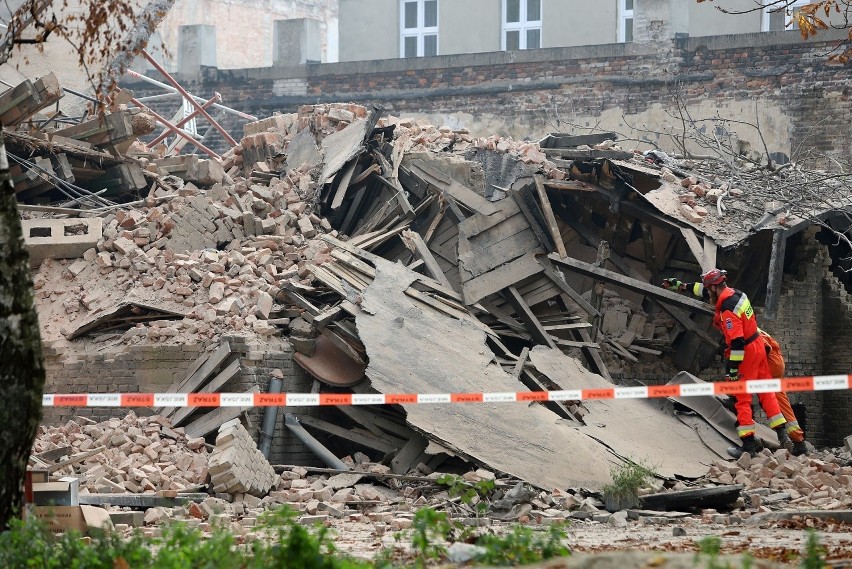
[(813, 383)]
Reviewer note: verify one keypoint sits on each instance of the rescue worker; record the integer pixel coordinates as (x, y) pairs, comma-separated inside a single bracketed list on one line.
[(794, 438), (775, 358), (746, 355)]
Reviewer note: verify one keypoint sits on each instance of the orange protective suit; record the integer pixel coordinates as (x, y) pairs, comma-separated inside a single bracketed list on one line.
[(746, 357)]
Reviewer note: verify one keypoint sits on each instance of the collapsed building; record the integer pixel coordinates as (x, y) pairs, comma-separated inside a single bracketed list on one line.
[(336, 250)]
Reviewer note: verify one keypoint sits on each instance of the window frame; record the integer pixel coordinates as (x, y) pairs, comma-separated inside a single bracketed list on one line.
[(765, 16), (522, 26), (623, 15), (421, 31)]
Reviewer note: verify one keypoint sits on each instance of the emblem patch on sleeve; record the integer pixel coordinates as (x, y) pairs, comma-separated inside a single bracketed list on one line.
[(728, 324)]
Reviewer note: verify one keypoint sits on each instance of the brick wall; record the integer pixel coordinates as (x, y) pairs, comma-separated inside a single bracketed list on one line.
[(775, 77), (89, 368), (837, 359)]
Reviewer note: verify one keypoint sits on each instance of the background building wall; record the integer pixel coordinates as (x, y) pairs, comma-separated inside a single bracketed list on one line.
[(244, 28), (369, 29)]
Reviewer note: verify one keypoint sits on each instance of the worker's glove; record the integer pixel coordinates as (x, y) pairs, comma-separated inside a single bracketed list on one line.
[(673, 283), (732, 376)]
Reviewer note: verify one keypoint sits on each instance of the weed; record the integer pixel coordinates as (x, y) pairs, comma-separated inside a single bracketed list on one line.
[(627, 479), (430, 525), (523, 545), (814, 557), (470, 493)]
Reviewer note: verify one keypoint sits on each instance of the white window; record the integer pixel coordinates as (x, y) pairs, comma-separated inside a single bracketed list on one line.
[(419, 28), (625, 21), (521, 24), (777, 18)]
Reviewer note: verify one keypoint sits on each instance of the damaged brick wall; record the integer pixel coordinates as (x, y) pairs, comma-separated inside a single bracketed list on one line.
[(520, 93), (799, 328), (837, 358), (154, 368)]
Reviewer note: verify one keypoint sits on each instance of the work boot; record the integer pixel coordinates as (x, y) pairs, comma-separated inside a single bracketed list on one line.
[(799, 448), (784, 438), (749, 446)]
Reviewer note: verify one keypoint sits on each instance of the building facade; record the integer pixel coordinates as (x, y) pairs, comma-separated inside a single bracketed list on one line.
[(387, 29)]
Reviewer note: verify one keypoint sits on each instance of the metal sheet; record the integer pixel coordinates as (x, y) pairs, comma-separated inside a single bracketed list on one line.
[(717, 415), (330, 364)]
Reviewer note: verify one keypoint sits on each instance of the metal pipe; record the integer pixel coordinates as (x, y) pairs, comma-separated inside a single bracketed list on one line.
[(316, 447), (175, 91), (270, 416), (168, 95), (178, 131), (186, 119), (189, 97)]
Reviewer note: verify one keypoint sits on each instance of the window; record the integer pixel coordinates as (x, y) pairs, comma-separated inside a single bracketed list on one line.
[(625, 21), (777, 19), (521, 24), (419, 28)]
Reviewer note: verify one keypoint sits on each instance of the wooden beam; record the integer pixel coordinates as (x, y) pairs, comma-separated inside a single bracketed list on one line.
[(212, 386), (527, 317), (709, 259), (519, 365), (364, 439), (636, 285), (423, 251), (648, 246), (543, 238), (694, 245), (549, 217), (557, 279), (776, 274), (559, 140), (593, 355)]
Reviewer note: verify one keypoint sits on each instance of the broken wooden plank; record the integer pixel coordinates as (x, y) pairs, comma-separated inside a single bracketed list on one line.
[(694, 245), (575, 296), (709, 256), (369, 441), (629, 283), (462, 194), (549, 217), (407, 456), (423, 251), (192, 382), (343, 184), (74, 459), (570, 185), (621, 351), (503, 276), (560, 140), (527, 317), (213, 420), (519, 365), (593, 355), (180, 415), (576, 154), (542, 237)]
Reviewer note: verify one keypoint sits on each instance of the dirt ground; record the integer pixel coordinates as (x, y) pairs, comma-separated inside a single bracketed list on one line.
[(671, 545)]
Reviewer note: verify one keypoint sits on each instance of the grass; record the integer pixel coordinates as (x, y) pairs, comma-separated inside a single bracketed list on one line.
[(280, 542)]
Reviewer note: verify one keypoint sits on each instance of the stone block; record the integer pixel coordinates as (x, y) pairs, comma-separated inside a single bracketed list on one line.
[(60, 238)]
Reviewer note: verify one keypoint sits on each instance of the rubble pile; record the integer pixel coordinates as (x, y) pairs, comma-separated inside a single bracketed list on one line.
[(133, 454), (236, 465), (822, 481)]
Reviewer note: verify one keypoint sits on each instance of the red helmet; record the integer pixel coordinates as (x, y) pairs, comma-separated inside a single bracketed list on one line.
[(714, 277)]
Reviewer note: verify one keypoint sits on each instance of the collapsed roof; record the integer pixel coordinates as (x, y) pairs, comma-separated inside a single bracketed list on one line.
[(427, 260)]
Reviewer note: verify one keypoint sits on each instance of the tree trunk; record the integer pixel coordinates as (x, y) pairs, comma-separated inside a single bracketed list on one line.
[(21, 365)]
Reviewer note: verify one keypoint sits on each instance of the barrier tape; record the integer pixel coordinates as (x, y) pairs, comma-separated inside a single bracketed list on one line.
[(814, 383)]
